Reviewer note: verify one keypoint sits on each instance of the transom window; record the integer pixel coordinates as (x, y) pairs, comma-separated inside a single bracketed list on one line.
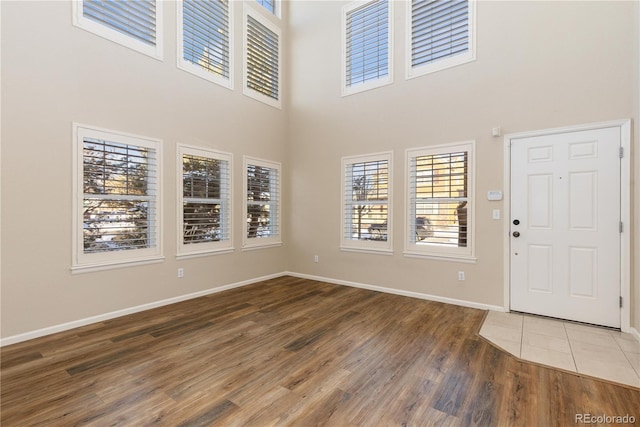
[(205, 40), (440, 220), (270, 5), (440, 34), (366, 205), (205, 197), (262, 49), (116, 214), (136, 24), (366, 33)]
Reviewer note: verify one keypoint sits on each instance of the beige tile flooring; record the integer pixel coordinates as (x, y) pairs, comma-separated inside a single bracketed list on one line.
[(589, 350)]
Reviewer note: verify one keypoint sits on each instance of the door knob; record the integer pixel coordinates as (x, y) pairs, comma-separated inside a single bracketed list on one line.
[(516, 234)]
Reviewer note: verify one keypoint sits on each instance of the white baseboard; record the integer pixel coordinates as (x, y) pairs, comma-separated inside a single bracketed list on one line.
[(635, 333), (410, 294), (118, 313)]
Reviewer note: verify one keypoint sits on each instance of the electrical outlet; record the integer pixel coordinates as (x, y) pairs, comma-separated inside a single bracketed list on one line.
[(316, 258), (181, 272), (461, 275), (496, 214)]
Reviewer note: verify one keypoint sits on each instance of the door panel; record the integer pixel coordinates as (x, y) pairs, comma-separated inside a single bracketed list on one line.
[(565, 194)]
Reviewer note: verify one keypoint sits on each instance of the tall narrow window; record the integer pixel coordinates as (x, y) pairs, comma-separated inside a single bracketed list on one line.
[(366, 203), (262, 203), (205, 199), (117, 216), (440, 196), (262, 48), (441, 34), (366, 40), (205, 40), (136, 24)]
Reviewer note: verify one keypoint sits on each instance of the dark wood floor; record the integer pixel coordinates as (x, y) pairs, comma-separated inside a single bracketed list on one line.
[(292, 352)]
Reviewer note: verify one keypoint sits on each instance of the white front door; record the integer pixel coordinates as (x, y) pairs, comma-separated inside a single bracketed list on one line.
[(565, 226)]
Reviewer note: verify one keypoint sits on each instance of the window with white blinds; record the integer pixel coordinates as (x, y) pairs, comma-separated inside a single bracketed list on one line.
[(117, 217), (205, 196), (366, 39), (440, 35), (440, 197), (262, 49), (366, 202), (136, 24), (205, 40), (262, 203)]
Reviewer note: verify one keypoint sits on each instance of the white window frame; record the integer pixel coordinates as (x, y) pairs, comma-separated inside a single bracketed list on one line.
[(413, 249), (371, 84), (441, 64), (197, 70), (277, 8), (81, 261), (250, 11), (261, 242), (154, 51), (369, 245), (205, 248)]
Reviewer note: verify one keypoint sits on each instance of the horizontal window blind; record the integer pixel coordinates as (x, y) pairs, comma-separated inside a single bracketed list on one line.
[(439, 199), (119, 189), (206, 32), (439, 29), (134, 18), (262, 59), (263, 198), (367, 43), (206, 199), (366, 200), (270, 5)]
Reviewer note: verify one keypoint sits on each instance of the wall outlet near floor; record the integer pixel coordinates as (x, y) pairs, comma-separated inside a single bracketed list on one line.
[(181, 272), (461, 275), (316, 258)]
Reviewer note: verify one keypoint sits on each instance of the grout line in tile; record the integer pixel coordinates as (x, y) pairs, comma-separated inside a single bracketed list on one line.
[(573, 355)]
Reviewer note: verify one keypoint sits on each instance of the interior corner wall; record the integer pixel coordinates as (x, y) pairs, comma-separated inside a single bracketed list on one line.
[(54, 74), (635, 321), (539, 65)]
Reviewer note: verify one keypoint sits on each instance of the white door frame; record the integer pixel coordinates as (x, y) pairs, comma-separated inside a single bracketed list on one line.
[(625, 208)]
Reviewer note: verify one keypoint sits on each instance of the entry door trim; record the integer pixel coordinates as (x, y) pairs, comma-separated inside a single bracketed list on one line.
[(625, 208)]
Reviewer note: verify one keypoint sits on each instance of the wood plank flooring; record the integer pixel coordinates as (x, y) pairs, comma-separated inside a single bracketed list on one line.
[(292, 352)]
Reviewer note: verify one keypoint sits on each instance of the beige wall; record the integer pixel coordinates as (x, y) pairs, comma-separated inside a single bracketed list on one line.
[(539, 65), (635, 321), (53, 74)]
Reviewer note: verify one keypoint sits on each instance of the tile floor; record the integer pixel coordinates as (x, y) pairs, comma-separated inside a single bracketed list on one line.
[(589, 350)]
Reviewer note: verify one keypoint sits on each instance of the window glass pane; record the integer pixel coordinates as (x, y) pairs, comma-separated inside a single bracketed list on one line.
[(119, 206), (262, 201), (205, 193), (206, 35), (367, 46), (270, 5), (440, 202), (439, 30), (134, 18), (367, 195), (262, 59)]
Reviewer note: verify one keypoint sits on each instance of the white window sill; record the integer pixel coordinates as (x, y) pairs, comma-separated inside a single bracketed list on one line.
[(89, 268), (261, 246), (200, 254), (367, 250), (441, 257)]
